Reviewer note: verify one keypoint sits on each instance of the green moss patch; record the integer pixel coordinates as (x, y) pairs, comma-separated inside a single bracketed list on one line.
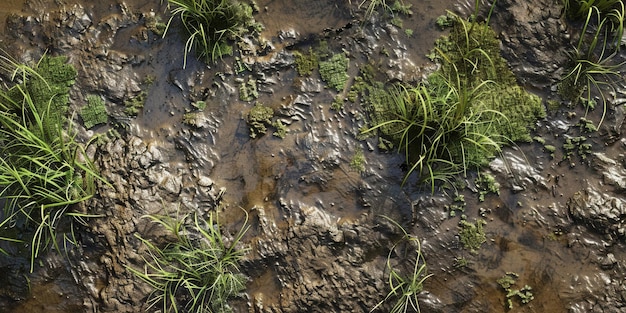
[(524, 295), (94, 113), (306, 63), (260, 117), (472, 235), (334, 71)]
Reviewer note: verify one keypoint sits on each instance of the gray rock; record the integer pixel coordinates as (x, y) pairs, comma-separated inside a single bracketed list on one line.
[(601, 212)]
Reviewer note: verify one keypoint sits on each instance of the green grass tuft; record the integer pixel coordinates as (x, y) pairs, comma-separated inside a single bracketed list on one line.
[(44, 171), (196, 273), (211, 24), (461, 115)]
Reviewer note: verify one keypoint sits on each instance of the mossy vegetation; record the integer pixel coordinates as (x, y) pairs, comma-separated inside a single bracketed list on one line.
[(94, 112), (133, 106), (334, 71), (472, 235), (524, 295), (576, 145), (260, 117), (486, 183), (248, 89), (306, 63), (357, 162)]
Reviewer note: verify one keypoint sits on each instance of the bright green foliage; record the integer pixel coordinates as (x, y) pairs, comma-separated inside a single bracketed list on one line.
[(196, 273), (524, 294), (43, 170), (334, 71), (211, 24), (472, 235), (95, 112)]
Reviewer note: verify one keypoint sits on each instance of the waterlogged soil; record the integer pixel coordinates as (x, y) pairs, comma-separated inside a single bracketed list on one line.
[(318, 241)]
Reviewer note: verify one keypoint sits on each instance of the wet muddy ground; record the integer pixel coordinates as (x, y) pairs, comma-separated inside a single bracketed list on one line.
[(318, 240)]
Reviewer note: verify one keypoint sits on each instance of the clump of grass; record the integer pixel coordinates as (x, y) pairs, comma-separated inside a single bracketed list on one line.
[(593, 68), (405, 287), (44, 171), (197, 272), (211, 24), (579, 9), (461, 115)]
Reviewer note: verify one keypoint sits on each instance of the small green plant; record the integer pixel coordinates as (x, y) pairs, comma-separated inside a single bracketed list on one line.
[(357, 162), (281, 129), (199, 105), (576, 145), (397, 6), (197, 272), (457, 206), (472, 235), (248, 89), (524, 294), (259, 117), (211, 24), (405, 287), (133, 106), (94, 112), (486, 183)]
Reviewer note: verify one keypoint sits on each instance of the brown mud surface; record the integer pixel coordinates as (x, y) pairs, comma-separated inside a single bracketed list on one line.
[(318, 241)]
